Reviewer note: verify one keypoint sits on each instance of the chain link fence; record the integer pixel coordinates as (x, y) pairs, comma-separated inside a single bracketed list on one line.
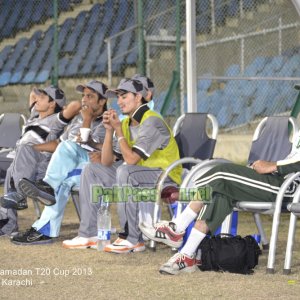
[(247, 52), (95, 39), (247, 60)]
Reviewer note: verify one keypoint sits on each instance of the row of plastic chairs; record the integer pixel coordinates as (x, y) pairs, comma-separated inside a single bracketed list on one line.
[(197, 147)]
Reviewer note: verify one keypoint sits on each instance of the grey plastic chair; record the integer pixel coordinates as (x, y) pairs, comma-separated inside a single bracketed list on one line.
[(270, 142), (75, 199), (271, 133), (190, 131), (11, 125), (10, 131)]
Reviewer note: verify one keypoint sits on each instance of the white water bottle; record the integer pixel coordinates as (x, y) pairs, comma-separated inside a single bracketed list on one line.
[(103, 226)]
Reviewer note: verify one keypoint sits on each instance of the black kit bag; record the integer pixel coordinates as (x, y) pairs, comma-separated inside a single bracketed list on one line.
[(233, 254)]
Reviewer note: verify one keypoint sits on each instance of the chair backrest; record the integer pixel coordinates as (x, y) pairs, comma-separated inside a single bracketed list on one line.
[(190, 131), (271, 140), (10, 129)]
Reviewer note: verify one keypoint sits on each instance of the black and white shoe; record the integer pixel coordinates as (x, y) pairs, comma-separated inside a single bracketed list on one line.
[(3, 222), (38, 190), (163, 232), (14, 200), (31, 237), (4, 233)]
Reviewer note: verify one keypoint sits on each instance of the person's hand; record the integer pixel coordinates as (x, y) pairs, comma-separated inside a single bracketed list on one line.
[(89, 141), (106, 119), (264, 167), (32, 98), (95, 157), (86, 112), (78, 138), (114, 120)]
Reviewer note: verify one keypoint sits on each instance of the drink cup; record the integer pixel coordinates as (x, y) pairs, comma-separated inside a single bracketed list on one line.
[(84, 134)]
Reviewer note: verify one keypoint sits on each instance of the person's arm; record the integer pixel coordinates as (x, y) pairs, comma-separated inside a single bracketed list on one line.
[(288, 166), (95, 157), (32, 99), (283, 167), (107, 156), (129, 156), (71, 110), (47, 147)]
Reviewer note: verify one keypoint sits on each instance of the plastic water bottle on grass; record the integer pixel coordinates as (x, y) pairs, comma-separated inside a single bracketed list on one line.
[(103, 226)]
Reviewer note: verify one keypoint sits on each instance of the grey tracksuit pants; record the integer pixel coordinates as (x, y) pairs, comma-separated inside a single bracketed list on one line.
[(128, 209), (28, 163)]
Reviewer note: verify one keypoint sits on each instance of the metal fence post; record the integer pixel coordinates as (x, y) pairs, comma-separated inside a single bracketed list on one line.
[(141, 41), (55, 44)]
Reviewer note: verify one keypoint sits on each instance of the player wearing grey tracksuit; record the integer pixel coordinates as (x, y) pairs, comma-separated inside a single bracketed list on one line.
[(65, 166), (147, 138), (26, 162)]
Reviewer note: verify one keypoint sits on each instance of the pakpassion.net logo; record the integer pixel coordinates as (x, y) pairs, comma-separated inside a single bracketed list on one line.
[(125, 193)]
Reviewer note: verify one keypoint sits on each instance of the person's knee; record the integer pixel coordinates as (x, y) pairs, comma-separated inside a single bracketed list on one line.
[(93, 168), (222, 168), (215, 179), (123, 173), (88, 168), (66, 145)]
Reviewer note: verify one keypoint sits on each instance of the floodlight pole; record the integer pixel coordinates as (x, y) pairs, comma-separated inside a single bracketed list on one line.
[(191, 68)]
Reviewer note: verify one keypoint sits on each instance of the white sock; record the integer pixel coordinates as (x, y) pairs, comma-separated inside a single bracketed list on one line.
[(192, 243), (184, 219)]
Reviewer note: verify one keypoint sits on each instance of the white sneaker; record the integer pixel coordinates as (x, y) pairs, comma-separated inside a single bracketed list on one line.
[(80, 243), (163, 232), (124, 246), (179, 263)]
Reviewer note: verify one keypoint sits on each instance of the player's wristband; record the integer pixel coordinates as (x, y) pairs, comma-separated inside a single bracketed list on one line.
[(121, 138)]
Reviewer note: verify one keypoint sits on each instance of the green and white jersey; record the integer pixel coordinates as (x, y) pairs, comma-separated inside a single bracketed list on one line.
[(291, 163)]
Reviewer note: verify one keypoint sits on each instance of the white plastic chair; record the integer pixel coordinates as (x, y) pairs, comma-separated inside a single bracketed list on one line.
[(294, 209), (259, 207), (270, 142), (190, 131)]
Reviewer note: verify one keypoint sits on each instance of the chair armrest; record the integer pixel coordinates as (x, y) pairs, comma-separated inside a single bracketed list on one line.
[(203, 166), (294, 207), (165, 174), (198, 170)]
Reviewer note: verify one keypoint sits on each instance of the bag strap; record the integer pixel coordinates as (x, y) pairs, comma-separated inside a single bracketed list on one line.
[(226, 235)]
